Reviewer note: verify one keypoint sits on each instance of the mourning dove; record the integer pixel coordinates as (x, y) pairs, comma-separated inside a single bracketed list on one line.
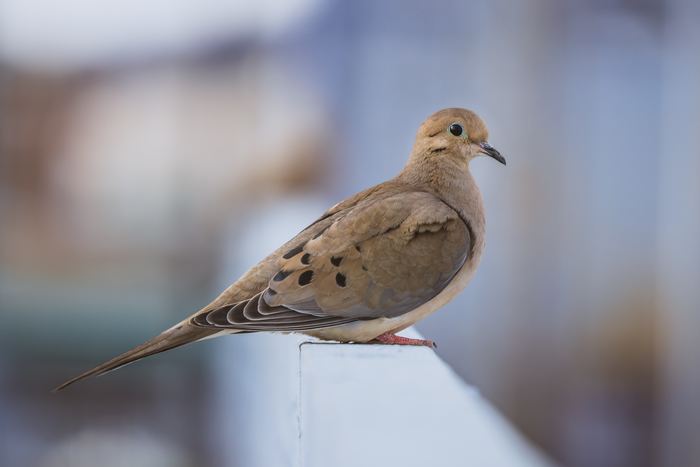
[(371, 265)]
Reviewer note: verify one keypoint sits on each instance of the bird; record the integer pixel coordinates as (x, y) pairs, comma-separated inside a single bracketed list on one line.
[(371, 265)]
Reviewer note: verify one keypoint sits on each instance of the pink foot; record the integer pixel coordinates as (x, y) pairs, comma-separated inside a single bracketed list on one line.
[(389, 338)]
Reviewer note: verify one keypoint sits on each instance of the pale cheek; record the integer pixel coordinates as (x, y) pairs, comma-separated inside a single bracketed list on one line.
[(471, 152)]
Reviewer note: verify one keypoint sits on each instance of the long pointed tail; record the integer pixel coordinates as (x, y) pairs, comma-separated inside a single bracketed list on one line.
[(178, 335)]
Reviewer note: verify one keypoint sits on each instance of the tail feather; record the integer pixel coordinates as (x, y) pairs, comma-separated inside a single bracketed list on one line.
[(176, 336)]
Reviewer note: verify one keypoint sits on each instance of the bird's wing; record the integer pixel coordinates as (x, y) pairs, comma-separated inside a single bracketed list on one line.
[(381, 257)]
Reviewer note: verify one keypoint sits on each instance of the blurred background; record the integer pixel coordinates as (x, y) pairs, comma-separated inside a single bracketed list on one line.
[(150, 151)]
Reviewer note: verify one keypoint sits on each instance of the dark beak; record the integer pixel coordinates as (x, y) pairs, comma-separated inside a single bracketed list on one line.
[(490, 151)]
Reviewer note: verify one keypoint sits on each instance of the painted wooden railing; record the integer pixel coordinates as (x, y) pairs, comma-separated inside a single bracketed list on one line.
[(289, 401)]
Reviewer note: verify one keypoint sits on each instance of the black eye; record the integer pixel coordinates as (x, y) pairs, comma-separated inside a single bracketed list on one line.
[(456, 129)]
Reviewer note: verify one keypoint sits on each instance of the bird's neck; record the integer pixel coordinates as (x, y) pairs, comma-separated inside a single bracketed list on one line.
[(449, 179)]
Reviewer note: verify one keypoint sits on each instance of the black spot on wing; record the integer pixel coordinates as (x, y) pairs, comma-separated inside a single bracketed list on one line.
[(281, 275), (336, 260), (305, 278), (293, 252), (306, 259), (340, 279)]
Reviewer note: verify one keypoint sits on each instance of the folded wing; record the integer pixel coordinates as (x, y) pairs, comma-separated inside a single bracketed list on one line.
[(382, 257)]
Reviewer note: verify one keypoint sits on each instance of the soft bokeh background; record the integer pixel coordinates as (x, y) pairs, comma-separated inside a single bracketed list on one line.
[(140, 140)]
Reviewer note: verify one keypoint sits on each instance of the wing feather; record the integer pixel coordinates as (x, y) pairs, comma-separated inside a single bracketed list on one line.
[(379, 258)]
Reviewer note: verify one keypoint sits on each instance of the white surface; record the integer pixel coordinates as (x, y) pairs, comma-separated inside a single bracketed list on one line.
[(313, 404), (376, 405)]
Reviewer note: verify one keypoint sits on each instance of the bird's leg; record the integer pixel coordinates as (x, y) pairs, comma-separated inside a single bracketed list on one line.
[(389, 338)]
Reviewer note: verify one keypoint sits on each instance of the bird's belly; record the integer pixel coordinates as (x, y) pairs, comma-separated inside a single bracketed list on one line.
[(364, 331)]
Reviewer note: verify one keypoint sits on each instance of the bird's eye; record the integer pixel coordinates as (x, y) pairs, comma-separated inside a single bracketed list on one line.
[(456, 129)]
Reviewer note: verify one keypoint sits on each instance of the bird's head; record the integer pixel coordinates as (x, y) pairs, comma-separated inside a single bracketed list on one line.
[(455, 132)]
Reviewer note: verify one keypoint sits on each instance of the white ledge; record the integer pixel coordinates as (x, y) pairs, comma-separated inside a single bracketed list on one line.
[(314, 404)]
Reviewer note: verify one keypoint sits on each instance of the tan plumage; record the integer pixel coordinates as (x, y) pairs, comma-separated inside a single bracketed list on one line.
[(372, 265)]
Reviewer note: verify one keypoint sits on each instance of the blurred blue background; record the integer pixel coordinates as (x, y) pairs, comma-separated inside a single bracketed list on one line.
[(139, 140)]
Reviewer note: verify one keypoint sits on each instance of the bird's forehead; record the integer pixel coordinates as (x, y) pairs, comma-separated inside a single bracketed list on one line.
[(475, 127)]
